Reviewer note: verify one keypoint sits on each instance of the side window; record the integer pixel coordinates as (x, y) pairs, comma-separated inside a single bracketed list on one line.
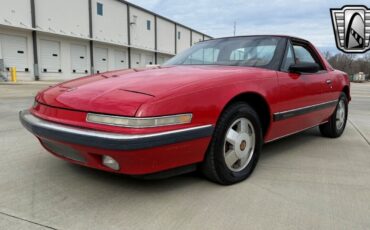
[(237, 55), (254, 55), (302, 54), (289, 59)]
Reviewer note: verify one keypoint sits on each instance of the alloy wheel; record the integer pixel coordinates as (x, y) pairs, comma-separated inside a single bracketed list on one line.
[(239, 144)]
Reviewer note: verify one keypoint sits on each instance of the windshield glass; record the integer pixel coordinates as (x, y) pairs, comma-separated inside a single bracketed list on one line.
[(238, 51)]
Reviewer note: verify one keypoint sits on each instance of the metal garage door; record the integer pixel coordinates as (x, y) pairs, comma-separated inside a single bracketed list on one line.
[(120, 59), (160, 60), (79, 62), (136, 62), (149, 59), (14, 52), (50, 56), (100, 60)]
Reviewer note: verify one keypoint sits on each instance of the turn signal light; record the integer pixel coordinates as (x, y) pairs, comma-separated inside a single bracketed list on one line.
[(133, 122)]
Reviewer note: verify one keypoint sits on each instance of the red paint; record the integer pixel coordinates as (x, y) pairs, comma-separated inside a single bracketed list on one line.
[(145, 161), (201, 90)]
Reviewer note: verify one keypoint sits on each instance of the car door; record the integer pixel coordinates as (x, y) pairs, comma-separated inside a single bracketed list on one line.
[(302, 96)]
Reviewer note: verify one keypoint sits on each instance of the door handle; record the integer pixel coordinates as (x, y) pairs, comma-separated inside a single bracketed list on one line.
[(328, 81)]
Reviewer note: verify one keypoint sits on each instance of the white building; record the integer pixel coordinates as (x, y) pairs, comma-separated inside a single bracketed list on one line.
[(62, 39)]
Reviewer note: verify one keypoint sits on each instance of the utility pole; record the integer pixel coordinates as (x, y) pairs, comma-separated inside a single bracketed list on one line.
[(234, 28)]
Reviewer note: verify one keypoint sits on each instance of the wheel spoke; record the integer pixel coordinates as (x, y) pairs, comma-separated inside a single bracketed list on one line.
[(232, 136), (231, 158), (244, 126), (244, 159)]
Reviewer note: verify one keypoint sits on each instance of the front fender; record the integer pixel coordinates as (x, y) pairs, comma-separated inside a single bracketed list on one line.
[(207, 103)]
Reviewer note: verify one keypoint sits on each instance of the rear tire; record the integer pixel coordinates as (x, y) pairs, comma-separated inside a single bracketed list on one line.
[(337, 122), (235, 146)]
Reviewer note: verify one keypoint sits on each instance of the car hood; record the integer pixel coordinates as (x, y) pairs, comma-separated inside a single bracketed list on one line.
[(124, 91)]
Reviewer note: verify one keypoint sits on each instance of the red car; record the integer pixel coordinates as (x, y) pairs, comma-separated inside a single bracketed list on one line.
[(212, 107)]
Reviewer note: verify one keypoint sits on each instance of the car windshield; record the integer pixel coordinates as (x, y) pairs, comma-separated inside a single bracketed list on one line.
[(238, 51)]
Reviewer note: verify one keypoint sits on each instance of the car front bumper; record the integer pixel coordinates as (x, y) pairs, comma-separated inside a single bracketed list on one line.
[(137, 153)]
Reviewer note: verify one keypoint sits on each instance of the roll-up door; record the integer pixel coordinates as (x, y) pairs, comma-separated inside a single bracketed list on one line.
[(101, 60), (160, 60), (50, 56), (79, 60), (149, 59), (136, 62), (14, 52), (120, 59)]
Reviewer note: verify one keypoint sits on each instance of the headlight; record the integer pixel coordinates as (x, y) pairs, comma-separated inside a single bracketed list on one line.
[(139, 122)]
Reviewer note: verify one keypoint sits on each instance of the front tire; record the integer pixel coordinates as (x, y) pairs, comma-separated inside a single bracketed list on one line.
[(235, 147), (337, 122)]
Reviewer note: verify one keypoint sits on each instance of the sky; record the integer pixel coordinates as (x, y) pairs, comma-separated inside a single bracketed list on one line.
[(309, 19)]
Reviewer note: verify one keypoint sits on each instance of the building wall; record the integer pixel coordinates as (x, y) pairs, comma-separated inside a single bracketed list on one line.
[(196, 37), (110, 27), (183, 38), (17, 13), (142, 35), (166, 43), (67, 17), (68, 45)]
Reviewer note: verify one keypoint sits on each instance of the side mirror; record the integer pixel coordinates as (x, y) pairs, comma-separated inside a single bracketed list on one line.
[(304, 67)]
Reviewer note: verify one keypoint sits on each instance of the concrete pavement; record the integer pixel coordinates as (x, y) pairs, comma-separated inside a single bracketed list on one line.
[(301, 182)]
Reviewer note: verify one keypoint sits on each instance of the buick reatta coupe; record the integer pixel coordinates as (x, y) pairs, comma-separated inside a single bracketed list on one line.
[(210, 108)]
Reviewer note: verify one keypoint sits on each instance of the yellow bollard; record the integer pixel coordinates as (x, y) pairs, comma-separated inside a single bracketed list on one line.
[(13, 74)]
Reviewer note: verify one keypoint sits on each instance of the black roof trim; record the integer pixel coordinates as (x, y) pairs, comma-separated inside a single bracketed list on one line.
[(261, 35)]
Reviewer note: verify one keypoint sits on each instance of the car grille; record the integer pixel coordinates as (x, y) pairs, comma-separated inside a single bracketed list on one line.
[(64, 151)]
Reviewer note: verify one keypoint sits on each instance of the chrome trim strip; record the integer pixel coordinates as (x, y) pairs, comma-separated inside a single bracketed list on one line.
[(303, 110), (105, 140)]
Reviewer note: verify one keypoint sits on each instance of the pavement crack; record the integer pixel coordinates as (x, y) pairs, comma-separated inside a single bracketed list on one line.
[(359, 131), (29, 221)]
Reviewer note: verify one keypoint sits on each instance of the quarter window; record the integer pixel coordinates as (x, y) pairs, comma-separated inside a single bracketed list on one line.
[(99, 8), (303, 54)]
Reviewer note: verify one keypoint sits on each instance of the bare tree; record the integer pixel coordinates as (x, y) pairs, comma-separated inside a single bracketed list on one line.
[(327, 55), (350, 63)]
